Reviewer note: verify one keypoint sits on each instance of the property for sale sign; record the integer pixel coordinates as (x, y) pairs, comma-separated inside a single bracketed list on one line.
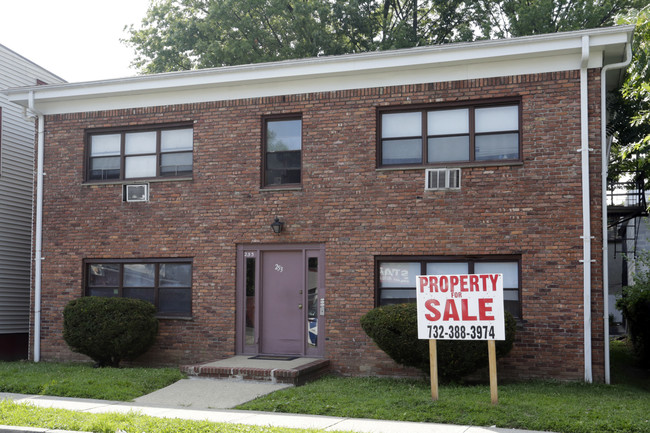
[(460, 307)]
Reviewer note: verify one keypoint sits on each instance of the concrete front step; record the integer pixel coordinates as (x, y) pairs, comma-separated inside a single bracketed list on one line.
[(297, 371)]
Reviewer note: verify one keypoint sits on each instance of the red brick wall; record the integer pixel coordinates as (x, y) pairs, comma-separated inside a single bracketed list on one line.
[(532, 209)]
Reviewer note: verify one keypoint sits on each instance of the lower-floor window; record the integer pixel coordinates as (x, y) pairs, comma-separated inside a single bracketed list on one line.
[(395, 276), (166, 283)]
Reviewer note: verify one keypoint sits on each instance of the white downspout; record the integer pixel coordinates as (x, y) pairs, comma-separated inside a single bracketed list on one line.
[(605, 162), (586, 217), (38, 238)]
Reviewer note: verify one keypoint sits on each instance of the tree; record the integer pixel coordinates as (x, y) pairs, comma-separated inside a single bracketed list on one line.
[(409, 23), (630, 108), (509, 18), (192, 34)]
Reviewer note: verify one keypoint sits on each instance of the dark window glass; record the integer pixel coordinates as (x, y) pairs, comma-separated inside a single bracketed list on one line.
[(312, 301), (143, 294), (104, 275), (102, 291), (175, 301), (250, 300), (167, 285), (283, 148), (175, 275), (139, 275)]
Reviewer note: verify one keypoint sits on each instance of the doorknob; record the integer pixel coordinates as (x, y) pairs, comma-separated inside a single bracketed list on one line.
[(300, 306)]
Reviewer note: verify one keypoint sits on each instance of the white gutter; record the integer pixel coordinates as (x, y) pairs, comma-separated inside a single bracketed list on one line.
[(586, 217), (441, 63), (605, 146), (38, 256)]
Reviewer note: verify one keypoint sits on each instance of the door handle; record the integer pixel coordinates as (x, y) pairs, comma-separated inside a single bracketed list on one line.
[(300, 306)]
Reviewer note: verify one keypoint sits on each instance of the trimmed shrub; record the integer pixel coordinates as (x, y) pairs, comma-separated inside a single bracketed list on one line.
[(394, 329), (635, 305), (109, 330)]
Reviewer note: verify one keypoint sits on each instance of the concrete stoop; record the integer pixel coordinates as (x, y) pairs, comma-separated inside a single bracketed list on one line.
[(296, 371)]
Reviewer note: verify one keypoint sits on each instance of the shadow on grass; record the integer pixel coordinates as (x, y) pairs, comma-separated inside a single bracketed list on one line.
[(625, 369)]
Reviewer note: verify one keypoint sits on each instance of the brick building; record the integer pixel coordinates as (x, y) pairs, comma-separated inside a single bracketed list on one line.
[(375, 167)]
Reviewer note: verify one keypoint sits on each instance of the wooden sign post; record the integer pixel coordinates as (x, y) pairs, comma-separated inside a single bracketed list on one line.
[(433, 369), (492, 354), (461, 307)]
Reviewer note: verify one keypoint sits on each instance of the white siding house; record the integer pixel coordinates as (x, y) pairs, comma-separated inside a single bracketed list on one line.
[(16, 186)]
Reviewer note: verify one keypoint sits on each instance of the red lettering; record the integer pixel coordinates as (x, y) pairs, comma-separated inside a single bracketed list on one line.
[(433, 284), (451, 312), (453, 282), (494, 278), (444, 284), (484, 279), (484, 309), (465, 310), (463, 283), (473, 283), (424, 282), (431, 305)]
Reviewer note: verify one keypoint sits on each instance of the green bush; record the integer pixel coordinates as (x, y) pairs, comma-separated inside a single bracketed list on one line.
[(109, 330), (635, 305), (394, 329)]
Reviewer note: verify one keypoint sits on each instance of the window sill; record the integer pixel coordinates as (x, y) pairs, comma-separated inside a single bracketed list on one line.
[(136, 181), (279, 188), (166, 317), (453, 164)]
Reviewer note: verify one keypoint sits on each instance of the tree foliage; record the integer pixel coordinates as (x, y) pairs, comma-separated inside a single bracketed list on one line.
[(524, 17), (190, 34), (635, 305), (630, 107)]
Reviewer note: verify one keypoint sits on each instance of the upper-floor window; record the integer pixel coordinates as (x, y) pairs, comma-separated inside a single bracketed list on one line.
[(457, 134), (396, 276), (140, 153), (165, 283), (282, 149)]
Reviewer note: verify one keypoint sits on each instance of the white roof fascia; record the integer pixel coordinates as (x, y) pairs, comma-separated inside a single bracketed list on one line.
[(451, 62)]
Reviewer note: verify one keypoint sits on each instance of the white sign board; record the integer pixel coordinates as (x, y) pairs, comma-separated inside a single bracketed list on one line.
[(460, 307)]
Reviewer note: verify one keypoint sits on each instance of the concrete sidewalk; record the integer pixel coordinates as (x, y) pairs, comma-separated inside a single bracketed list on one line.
[(205, 400)]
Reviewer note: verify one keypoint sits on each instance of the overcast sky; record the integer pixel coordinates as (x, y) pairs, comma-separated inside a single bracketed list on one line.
[(78, 40)]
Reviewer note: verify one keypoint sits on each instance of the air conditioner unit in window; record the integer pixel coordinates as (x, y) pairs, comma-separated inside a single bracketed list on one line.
[(136, 193), (442, 178)]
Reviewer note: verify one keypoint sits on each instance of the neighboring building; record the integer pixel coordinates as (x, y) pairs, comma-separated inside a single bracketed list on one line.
[(16, 182), (164, 188)]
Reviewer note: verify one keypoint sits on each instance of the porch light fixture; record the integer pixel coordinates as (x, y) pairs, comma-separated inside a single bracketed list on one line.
[(277, 226)]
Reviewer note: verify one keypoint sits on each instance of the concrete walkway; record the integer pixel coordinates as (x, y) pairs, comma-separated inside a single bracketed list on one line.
[(207, 400)]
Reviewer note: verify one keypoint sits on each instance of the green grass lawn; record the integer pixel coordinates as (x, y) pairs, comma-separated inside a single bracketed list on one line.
[(561, 407), (31, 416), (84, 381)]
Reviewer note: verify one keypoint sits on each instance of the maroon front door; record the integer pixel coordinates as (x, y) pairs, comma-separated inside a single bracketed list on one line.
[(282, 313)]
